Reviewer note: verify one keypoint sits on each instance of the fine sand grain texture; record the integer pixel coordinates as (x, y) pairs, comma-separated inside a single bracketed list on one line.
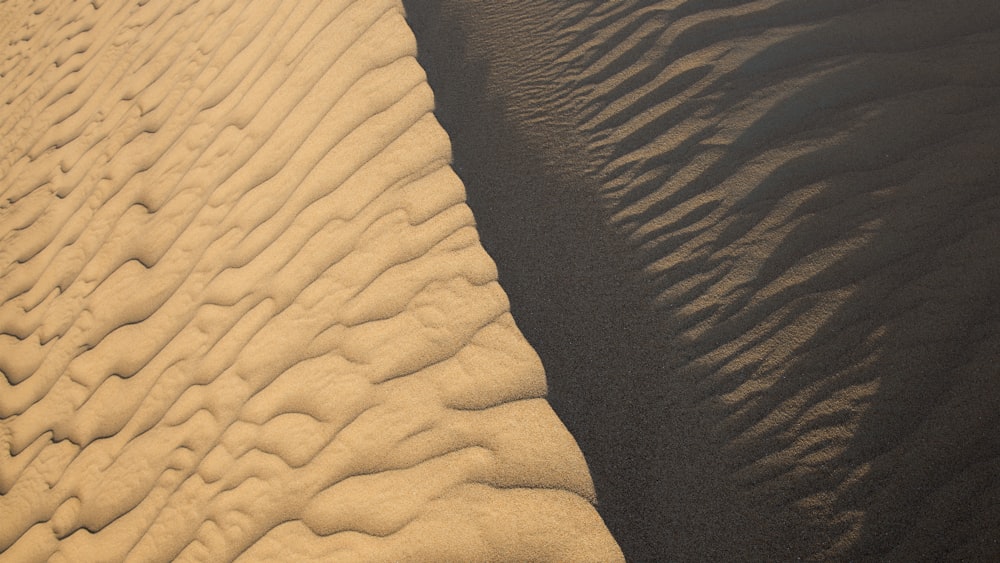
[(244, 310), (757, 247)]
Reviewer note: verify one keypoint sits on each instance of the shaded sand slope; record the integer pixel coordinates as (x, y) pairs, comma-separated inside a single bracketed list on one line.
[(757, 247), (244, 310)]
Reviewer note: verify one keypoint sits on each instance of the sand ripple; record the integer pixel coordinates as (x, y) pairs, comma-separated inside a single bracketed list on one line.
[(244, 311), (786, 318)]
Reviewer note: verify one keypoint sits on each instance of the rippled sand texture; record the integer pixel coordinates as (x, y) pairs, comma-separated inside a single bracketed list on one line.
[(245, 312), (790, 320)]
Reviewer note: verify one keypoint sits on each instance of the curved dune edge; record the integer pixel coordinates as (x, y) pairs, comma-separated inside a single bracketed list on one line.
[(244, 311), (783, 337)]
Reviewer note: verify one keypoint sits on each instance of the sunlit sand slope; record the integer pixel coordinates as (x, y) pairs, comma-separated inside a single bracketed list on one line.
[(789, 318), (244, 311)]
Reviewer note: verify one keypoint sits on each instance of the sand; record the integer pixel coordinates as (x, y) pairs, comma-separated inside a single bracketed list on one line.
[(249, 307), (244, 309), (757, 247)]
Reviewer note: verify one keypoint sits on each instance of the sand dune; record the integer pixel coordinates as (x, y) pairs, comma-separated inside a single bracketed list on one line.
[(757, 246), (244, 310)]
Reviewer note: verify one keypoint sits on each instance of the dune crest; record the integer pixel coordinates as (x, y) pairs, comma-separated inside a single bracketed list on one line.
[(244, 310)]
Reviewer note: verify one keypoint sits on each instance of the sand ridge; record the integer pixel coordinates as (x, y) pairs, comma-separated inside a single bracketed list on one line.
[(244, 311)]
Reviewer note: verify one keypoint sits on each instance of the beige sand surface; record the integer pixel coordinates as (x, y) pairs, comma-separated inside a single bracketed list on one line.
[(784, 341), (244, 310)]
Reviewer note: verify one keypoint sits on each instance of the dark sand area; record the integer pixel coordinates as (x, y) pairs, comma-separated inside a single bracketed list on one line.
[(757, 247)]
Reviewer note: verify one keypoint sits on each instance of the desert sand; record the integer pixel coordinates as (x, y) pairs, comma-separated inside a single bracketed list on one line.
[(757, 247), (249, 307), (244, 309)]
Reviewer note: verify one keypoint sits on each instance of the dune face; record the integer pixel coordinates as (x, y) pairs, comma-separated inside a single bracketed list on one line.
[(757, 247), (245, 313)]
